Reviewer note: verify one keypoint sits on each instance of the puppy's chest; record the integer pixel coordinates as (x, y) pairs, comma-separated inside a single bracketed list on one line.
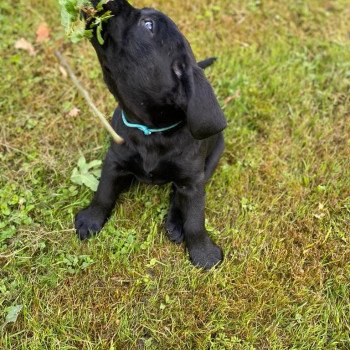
[(154, 167)]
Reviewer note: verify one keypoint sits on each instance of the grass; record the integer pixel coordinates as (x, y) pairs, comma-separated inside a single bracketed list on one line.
[(279, 203)]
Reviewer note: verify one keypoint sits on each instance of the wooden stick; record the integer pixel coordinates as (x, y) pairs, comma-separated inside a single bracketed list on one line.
[(87, 98)]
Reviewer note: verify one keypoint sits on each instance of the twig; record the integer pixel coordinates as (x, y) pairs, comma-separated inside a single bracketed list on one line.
[(87, 98)]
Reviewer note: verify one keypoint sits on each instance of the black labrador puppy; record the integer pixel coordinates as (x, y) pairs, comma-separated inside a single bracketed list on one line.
[(169, 118)]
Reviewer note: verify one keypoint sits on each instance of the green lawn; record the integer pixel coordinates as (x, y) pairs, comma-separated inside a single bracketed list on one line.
[(278, 204)]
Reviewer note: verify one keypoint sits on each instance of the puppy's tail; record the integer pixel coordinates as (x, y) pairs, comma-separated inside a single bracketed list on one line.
[(207, 62)]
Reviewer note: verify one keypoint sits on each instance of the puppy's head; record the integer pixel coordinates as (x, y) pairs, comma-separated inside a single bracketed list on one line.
[(150, 68)]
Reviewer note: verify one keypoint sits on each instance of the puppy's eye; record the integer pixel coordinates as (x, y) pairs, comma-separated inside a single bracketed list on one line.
[(147, 23)]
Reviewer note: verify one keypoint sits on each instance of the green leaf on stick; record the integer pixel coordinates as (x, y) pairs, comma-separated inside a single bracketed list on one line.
[(75, 24)]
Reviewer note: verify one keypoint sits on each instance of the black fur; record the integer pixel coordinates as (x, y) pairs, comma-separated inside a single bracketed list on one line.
[(149, 67)]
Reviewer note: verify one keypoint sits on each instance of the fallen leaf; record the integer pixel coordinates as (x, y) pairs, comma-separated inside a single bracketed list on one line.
[(74, 112), (23, 44), (42, 33), (63, 72), (235, 96), (12, 313)]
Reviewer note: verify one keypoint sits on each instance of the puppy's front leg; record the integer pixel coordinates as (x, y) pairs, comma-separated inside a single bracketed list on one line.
[(203, 252), (174, 221), (90, 220)]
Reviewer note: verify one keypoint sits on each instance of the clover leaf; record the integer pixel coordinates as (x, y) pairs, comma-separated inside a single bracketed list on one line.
[(87, 173)]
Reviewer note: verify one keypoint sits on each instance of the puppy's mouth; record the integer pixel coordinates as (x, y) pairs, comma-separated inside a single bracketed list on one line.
[(117, 6)]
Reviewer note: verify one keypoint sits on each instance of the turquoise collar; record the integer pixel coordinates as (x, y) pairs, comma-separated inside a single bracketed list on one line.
[(145, 129)]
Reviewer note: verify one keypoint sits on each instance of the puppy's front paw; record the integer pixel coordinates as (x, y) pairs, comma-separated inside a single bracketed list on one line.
[(89, 222), (205, 254)]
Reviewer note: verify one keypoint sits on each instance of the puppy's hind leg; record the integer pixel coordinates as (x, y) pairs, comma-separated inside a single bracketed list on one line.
[(90, 220), (174, 222)]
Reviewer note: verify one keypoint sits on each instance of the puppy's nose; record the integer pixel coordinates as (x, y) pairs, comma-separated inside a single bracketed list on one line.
[(118, 6)]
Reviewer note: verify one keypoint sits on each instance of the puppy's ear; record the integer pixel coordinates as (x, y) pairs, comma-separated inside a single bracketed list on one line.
[(204, 115)]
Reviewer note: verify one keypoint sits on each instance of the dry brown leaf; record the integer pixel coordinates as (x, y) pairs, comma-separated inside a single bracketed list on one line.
[(74, 112), (23, 44), (42, 33), (233, 97), (63, 72)]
